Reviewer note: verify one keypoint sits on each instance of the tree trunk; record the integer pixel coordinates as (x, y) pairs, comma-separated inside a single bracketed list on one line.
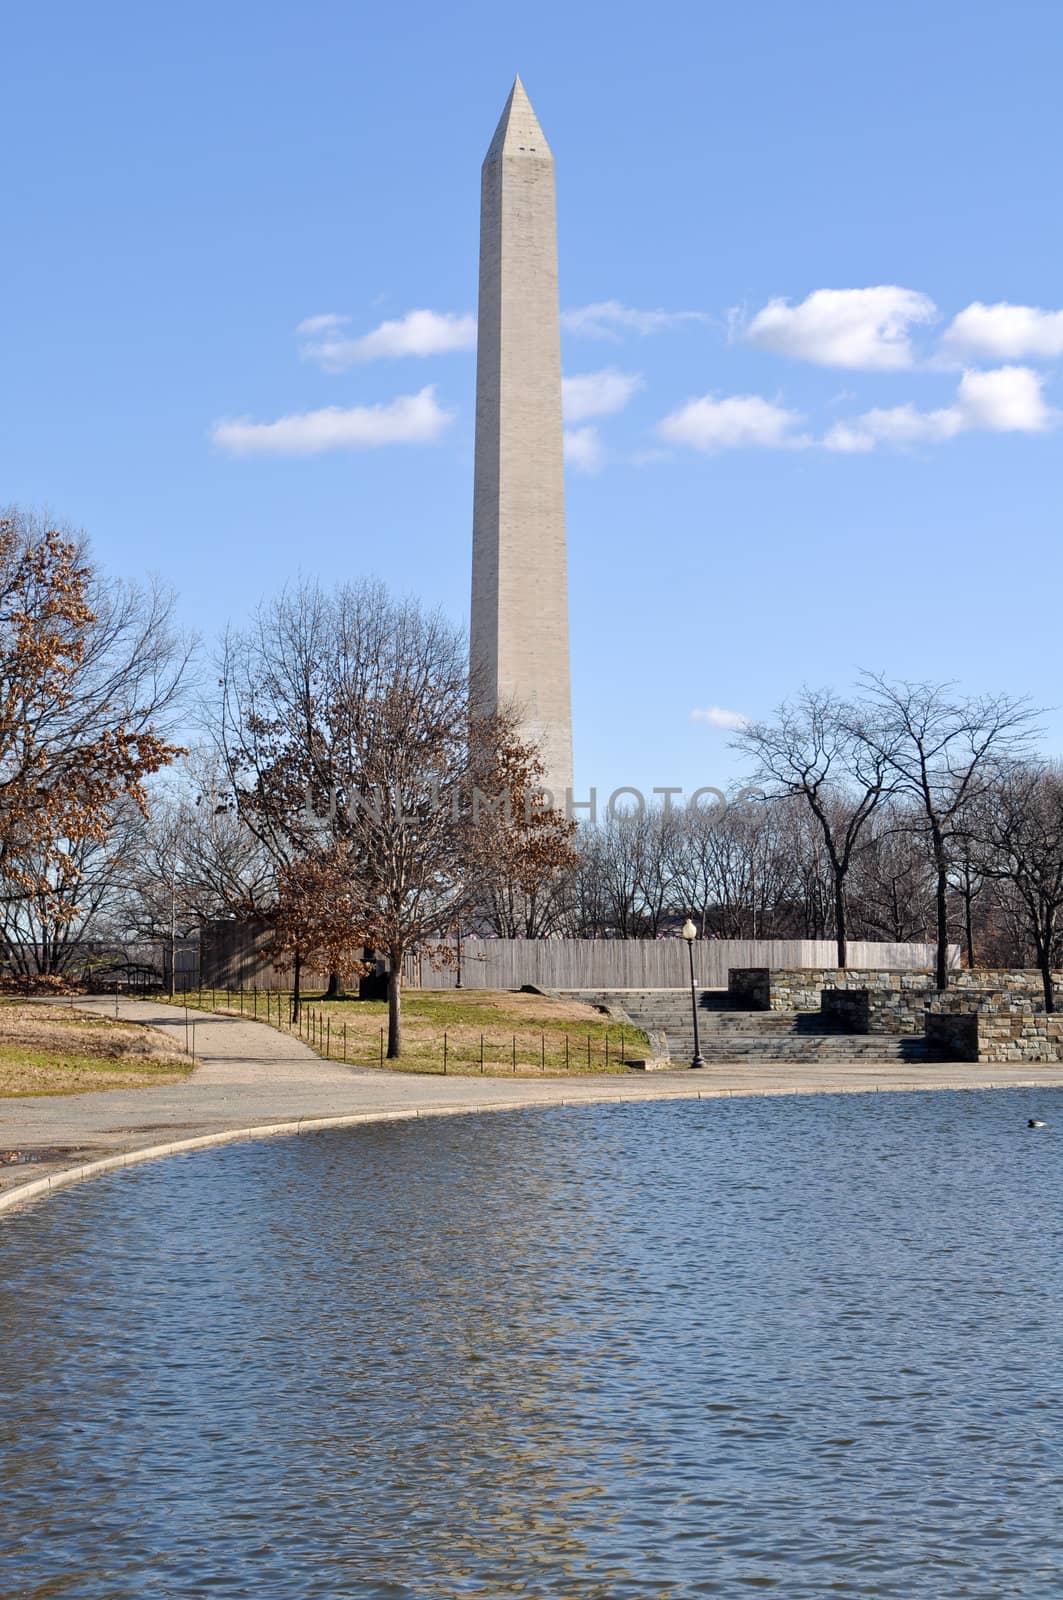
[(335, 990), (394, 1005), (1045, 964), (839, 922), (943, 928), (297, 973), (1044, 952)]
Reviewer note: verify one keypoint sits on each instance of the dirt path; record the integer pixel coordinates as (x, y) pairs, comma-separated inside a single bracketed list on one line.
[(253, 1080)]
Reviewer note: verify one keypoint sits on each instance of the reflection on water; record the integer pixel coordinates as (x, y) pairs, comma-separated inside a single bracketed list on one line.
[(808, 1345)]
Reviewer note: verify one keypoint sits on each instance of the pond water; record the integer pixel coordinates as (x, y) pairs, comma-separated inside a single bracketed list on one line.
[(810, 1345)]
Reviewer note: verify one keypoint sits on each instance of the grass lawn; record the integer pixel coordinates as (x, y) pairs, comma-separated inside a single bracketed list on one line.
[(526, 1034), (51, 1049)]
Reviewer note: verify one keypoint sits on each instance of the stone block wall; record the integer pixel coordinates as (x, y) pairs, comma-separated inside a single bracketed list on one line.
[(994, 1026), (889, 1002), (895, 1001), (847, 1010), (749, 988), (1010, 980), (952, 1035)]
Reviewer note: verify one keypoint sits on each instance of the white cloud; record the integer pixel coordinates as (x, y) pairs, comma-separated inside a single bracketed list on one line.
[(898, 425), (1007, 400), (418, 333), (738, 422), (859, 328), (1004, 400), (411, 419), (328, 322), (583, 449), (1004, 332), (718, 717), (597, 394), (603, 319)]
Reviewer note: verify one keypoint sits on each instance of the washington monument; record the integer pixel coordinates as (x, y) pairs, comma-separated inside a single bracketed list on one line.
[(519, 629)]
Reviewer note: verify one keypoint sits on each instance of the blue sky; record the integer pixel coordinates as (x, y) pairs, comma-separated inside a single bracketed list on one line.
[(796, 485)]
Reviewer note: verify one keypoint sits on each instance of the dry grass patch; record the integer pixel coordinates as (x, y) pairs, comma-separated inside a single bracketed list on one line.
[(526, 1034), (53, 1049)]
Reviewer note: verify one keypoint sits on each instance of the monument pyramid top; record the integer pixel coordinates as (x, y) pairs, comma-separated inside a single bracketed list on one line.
[(518, 131)]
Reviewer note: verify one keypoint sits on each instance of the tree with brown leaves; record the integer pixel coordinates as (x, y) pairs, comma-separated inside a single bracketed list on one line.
[(346, 722), (317, 918), (89, 671)]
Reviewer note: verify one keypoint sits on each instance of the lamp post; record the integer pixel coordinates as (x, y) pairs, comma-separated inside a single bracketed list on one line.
[(690, 933)]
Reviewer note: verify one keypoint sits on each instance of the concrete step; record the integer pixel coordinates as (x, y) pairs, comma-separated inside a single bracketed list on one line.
[(806, 1048), (752, 1022), (728, 1034)]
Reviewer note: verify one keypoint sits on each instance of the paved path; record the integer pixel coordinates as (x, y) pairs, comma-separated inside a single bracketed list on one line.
[(254, 1080)]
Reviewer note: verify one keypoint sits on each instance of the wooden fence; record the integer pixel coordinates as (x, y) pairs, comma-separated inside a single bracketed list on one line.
[(231, 958), (647, 963)]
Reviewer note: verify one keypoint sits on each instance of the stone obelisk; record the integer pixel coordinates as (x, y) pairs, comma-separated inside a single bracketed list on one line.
[(519, 629)]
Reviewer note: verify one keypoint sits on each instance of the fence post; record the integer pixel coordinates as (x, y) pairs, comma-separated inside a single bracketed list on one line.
[(481, 1054), (256, 999), (328, 1037), (514, 1052), (607, 1049), (381, 1047), (444, 1052), (588, 1052), (345, 1044), (566, 1052), (542, 1051)]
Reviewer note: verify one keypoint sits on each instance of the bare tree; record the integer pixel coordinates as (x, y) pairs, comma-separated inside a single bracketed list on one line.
[(811, 751), (78, 897), (891, 888), (693, 860), (1018, 838), (940, 750)]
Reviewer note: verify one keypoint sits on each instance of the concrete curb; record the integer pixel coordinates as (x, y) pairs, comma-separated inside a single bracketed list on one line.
[(21, 1194)]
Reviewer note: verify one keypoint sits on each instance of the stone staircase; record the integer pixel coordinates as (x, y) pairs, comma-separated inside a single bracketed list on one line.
[(730, 1035)]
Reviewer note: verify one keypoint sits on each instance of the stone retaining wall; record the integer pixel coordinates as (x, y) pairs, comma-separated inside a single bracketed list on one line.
[(882, 1001), (847, 1010), (994, 1026), (952, 1035), (895, 1001), (1012, 980)]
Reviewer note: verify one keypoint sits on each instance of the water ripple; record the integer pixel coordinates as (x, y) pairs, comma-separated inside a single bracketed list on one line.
[(810, 1346)]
